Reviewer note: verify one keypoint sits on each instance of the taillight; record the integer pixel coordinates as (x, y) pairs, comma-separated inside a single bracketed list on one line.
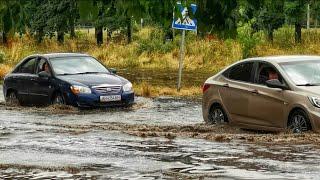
[(205, 87)]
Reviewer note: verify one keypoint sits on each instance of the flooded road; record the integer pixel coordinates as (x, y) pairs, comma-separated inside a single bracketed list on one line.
[(161, 138)]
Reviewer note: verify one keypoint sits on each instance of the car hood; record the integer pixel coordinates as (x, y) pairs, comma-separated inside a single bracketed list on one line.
[(315, 90), (93, 79)]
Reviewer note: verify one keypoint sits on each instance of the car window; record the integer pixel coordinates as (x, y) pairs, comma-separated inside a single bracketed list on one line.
[(267, 72), (241, 72), (303, 72), (76, 65), (28, 66), (43, 66)]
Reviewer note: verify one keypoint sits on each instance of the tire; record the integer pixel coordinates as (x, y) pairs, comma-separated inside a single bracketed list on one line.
[(58, 99), (299, 122), (12, 98), (217, 115)]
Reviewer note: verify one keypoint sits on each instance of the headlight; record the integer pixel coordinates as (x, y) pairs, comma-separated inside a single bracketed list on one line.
[(80, 89), (127, 87), (315, 101)]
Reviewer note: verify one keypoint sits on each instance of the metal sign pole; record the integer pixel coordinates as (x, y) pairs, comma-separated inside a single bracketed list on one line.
[(184, 23), (181, 59)]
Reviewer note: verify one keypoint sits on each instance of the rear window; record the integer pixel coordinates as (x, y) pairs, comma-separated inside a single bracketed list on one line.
[(240, 72), (27, 67)]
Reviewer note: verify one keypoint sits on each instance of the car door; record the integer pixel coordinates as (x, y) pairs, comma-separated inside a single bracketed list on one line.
[(23, 77), (266, 105), (235, 91), (40, 87)]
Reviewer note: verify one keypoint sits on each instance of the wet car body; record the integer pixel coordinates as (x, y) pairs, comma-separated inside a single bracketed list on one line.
[(253, 105), (34, 88)]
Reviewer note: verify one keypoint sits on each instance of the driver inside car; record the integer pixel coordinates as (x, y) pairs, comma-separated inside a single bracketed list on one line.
[(45, 67), (272, 74)]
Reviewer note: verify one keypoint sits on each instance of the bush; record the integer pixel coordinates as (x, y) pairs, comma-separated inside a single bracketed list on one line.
[(2, 57), (145, 89), (4, 69), (155, 42), (248, 40), (131, 63), (284, 37)]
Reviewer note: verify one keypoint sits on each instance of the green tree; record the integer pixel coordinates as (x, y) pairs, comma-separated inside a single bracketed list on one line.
[(12, 18), (219, 17), (270, 16), (37, 17), (248, 9), (62, 16), (295, 11), (129, 11), (160, 13), (315, 10), (73, 16), (48, 17), (99, 12)]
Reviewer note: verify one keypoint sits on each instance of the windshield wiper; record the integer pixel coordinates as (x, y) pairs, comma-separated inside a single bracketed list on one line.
[(309, 84), (82, 73), (66, 74), (91, 72)]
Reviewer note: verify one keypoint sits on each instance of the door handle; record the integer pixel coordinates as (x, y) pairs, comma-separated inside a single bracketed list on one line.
[(33, 79), (254, 91), (226, 85)]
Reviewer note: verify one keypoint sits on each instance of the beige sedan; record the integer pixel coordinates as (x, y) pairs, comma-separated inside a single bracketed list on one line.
[(267, 93)]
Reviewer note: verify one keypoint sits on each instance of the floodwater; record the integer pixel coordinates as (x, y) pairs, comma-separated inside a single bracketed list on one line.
[(161, 138)]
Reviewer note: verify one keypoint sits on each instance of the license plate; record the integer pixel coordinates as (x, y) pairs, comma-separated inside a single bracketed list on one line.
[(110, 98)]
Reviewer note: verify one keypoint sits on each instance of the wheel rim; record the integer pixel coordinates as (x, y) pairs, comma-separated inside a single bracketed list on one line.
[(58, 100), (298, 124), (217, 116)]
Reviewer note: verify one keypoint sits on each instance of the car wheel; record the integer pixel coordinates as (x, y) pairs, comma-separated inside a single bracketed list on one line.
[(12, 98), (217, 115), (58, 99), (299, 122)]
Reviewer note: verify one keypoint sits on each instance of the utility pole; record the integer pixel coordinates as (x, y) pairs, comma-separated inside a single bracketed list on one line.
[(308, 16), (141, 23)]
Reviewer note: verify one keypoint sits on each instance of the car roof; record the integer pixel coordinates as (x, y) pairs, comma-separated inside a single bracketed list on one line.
[(284, 59), (55, 55)]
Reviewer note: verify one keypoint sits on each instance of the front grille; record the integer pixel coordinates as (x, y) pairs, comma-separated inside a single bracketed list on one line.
[(107, 89)]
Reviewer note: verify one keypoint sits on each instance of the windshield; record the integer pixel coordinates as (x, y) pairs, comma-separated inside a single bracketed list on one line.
[(303, 73), (76, 65)]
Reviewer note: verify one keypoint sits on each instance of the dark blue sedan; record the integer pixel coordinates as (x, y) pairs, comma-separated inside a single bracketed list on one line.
[(66, 78)]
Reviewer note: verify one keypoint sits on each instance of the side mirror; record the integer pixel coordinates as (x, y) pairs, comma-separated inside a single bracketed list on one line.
[(275, 83), (44, 74), (113, 70)]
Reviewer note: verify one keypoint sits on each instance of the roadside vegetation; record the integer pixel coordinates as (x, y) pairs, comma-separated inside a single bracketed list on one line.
[(147, 51), (136, 35)]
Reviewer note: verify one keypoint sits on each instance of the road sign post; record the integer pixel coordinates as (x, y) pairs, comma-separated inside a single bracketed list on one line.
[(184, 22), (181, 59)]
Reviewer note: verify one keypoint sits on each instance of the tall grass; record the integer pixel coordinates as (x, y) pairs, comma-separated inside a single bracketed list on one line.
[(150, 50)]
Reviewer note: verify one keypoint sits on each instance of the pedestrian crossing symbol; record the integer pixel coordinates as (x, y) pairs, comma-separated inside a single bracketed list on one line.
[(185, 22)]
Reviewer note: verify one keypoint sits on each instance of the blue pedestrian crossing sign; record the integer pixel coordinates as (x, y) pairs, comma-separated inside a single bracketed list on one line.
[(184, 22)]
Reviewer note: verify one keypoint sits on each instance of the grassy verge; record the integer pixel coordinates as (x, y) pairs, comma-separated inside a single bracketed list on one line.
[(146, 90), (148, 51)]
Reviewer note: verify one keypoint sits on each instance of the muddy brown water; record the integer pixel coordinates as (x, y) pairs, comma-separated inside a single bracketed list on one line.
[(161, 138)]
